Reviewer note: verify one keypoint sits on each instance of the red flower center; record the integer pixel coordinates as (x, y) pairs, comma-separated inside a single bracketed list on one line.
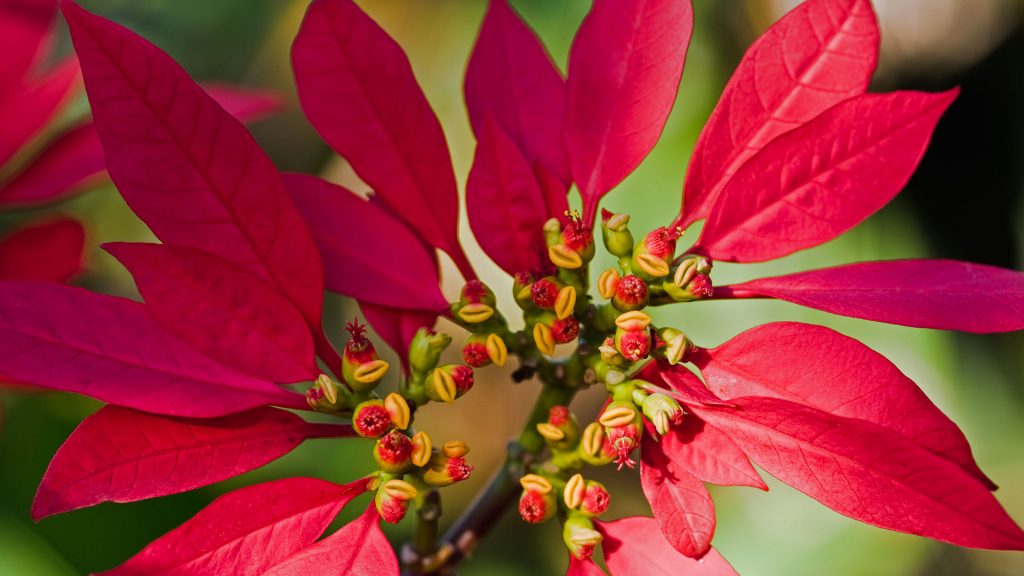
[(532, 507)]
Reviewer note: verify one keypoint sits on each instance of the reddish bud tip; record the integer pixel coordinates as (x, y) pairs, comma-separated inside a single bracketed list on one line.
[(535, 507), (576, 236), (475, 354), (463, 376), (371, 419), (558, 415), (544, 292), (565, 330), (393, 452), (595, 499), (661, 242), (701, 286), (630, 294), (634, 345)]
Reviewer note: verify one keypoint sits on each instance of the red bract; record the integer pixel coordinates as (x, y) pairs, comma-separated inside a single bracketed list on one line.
[(635, 547), (49, 250)]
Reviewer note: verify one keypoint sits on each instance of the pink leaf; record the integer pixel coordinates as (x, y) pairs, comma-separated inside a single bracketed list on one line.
[(221, 310), (397, 327), (583, 567), (245, 104), (120, 455), (511, 78), (69, 339), (357, 88), (709, 454), (635, 547), (867, 472), (186, 167), (245, 532), (943, 294), (359, 242), (67, 165), (819, 180), (837, 374), (685, 385), (357, 549), (555, 193), (680, 502), (505, 206), (24, 35), (818, 55), (624, 71), (48, 251), (27, 109)]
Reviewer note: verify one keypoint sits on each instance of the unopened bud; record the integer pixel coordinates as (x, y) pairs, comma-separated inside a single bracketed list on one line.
[(448, 382), (608, 283), (482, 349), (522, 288), (633, 345), (392, 500), (578, 238), (672, 345), (691, 280), (565, 330), (360, 366), (594, 447), (561, 429), (544, 292), (393, 452), (623, 427), (580, 537), (609, 354), (630, 294), (426, 347), (323, 395), (398, 409), (618, 240), (595, 499), (443, 470), (663, 411), (537, 507), (371, 419)]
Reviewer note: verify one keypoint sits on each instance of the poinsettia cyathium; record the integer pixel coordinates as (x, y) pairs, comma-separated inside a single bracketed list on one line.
[(796, 153)]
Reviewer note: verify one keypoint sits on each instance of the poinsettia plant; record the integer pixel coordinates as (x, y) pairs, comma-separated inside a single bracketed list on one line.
[(201, 377)]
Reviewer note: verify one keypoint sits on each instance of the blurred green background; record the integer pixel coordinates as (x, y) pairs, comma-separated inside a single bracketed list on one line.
[(965, 202)]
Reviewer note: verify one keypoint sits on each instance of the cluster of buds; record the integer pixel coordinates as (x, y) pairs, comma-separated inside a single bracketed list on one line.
[(429, 380), (477, 311), (690, 280), (581, 500), (361, 370), (570, 247), (406, 463)]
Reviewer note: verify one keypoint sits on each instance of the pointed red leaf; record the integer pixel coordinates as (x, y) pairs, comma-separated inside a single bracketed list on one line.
[(245, 104), (24, 35), (192, 172), (221, 310), (505, 206), (555, 193), (360, 241), (709, 454), (29, 107), (583, 567), (120, 455), (819, 180), (635, 547), (867, 472), (624, 71), (245, 532), (943, 294), (821, 53), (48, 251), (397, 327), (685, 385), (358, 549), (357, 88), (680, 502), (67, 165), (69, 339), (511, 78), (836, 374)]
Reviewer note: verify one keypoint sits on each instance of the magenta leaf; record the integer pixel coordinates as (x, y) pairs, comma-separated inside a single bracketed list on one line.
[(359, 240), (69, 339), (397, 327), (67, 165), (867, 472), (357, 88), (358, 549), (555, 193), (943, 294), (861, 383), (505, 205), (245, 104), (120, 455), (819, 180), (24, 37), (47, 251), (25, 111), (189, 170), (245, 532), (821, 53), (586, 567), (680, 502), (511, 78), (709, 454), (221, 310), (635, 547), (624, 71), (685, 385)]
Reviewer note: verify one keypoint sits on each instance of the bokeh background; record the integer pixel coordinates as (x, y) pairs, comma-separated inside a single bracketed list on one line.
[(964, 202)]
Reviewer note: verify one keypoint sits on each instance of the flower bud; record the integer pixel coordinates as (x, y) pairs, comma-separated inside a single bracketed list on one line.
[(565, 330), (522, 286), (630, 294), (663, 411), (588, 497), (371, 419), (392, 500), (537, 502), (610, 354), (398, 409), (425, 349), (323, 395), (422, 449), (672, 345), (476, 303), (691, 280), (393, 452), (544, 292), (608, 283), (360, 366), (653, 255), (618, 240), (577, 237), (444, 470), (633, 344), (483, 349), (623, 427), (448, 382), (594, 446), (580, 537), (561, 430)]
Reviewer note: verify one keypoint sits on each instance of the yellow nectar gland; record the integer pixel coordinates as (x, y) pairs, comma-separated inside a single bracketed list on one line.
[(633, 321), (564, 257), (455, 449), (399, 489), (575, 490), (544, 339), (398, 409), (652, 265), (593, 439), (443, 385), (476, 313), (565, 303), (496, 349), (535, 483), (550, 431), (608, 283), (368, 372), (617, 416)]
